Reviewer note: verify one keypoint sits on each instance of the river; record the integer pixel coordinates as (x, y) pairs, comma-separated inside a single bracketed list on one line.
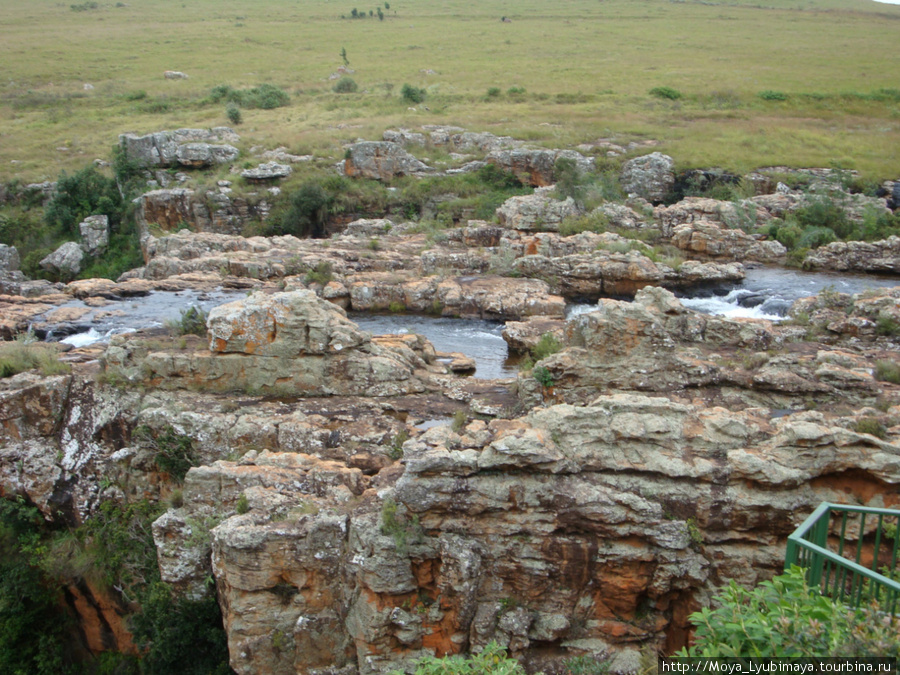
[(766, 292)]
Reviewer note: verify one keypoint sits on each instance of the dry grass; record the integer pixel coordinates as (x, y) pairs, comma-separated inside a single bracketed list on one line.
[(586, 68)]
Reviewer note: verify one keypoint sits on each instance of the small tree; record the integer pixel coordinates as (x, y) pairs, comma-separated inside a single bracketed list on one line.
[(344, 54), (345, 85), (233, 113), (412, 94)]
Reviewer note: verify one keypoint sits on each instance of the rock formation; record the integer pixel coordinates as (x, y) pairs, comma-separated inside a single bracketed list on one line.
[(192, 148)]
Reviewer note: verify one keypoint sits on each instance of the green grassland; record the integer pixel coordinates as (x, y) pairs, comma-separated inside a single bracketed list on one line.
[(831, 67)]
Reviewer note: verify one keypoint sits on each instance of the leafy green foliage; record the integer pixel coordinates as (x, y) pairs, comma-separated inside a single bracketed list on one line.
[(320, 274), (233, 113), (547, 345), (666, 92), (307, 214), (543, 376), (346, 85), (785, 617), (192, 321), (181, 635), (85, 193), (412, 94), (770, 95), (174, 451), (396, 523), (32, 618), (871, 425), (118, 542), (265, 96), (492, 660)]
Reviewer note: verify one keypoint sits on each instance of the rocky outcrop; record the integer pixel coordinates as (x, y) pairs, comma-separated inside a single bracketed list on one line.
[(536, 167), (651, 176), (601, 273), (193, 148), (213, 211), (381, 160), (94, 235), (858, 256), (288, 343), (267, 171), (65, 262), (709, 239), (573, 529), (536, 212), (9, 259)]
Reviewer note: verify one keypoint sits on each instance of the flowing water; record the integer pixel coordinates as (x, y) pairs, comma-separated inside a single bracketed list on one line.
[(766, 293), (472, 337)]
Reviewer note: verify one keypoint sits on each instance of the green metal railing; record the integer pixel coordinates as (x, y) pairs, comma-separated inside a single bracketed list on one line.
[(850, 553)]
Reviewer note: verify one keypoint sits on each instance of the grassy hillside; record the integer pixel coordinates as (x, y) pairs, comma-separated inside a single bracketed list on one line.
[(829, 71)]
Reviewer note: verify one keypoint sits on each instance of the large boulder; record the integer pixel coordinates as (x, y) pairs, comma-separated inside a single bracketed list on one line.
[(284, 325), (536, 212), (710, 239), (65, 262), (381, 160), (267, 171), (94, 234), (9, 259), (651, 176), (184, 147)]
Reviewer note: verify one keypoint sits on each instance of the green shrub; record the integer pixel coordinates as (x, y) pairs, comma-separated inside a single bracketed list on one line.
[(85, 193), (233, 113), (33, 619), (308, 212), (870, 425), (412, 94), (405, 530), (666, 92), (814, 237), (191, 322), (769, 95), (886, 325), (346, 85), (568, 178), (785, 617), (180, 635), (825, 213), (543, 376), (320, 274), (174, 451), (879, 225), (786, 234), (493, 92), (460, 419), (515, 91), (887, 371), (266, 96), (547, 345), (492, 660), (242, 505)]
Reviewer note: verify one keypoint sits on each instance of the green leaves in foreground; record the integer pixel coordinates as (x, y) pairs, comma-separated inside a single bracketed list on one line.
[(785, 617), (492, 660)]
